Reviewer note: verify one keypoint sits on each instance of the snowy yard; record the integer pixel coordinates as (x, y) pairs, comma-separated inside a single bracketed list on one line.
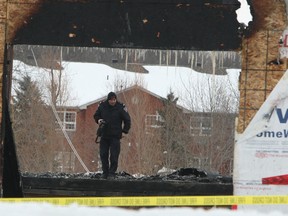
[(45, 209)]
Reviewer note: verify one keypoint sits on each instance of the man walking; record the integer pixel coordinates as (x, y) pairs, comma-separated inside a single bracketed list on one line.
[(116, 120)]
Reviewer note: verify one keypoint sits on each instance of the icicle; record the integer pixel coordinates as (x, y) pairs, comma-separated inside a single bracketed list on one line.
[(181, 53), (202, 61), (176, 60), (222, 60), (139, 55), (167, 58), (135, 56), (160, 58), (192, 59), (213, 59), (221, 56), (126, 60), (144, 54)]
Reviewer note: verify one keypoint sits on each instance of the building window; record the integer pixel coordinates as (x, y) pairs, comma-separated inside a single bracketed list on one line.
[(201, 126), (135, 100), (205, 163), (153, 122), (64, 161), (195, 162), (200, 163), (68, 120)]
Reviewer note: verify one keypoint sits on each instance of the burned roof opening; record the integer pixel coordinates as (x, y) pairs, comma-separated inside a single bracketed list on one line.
[(174, 24)]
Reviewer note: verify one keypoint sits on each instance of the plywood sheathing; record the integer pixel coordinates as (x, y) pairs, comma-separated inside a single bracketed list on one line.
[(260, 51), (3, 19), (13, 15)]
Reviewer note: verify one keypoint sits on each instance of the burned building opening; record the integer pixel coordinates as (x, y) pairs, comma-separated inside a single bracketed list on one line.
[(195, 43), (176, 98)]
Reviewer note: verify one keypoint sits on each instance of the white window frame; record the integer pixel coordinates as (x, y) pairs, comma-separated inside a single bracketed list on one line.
[(203, 130), (195, 162), (62, 157), (69, 125), (151, 122), (199, 162)]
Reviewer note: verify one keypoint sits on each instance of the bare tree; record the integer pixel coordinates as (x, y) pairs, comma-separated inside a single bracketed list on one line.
[(32, 128), (53, 78), (173, 133), (144, 150), (49, 76), (216, 107)]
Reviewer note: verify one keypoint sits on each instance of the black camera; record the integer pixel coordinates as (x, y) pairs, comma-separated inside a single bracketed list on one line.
[(101, 128)]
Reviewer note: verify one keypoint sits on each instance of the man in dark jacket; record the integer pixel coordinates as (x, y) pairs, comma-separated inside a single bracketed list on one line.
[(116, 120)]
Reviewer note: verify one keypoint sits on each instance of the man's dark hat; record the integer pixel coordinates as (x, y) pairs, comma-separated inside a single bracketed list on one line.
[(111, 95)]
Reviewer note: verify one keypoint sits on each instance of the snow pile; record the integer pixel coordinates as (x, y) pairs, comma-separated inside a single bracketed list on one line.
[(46, 209)]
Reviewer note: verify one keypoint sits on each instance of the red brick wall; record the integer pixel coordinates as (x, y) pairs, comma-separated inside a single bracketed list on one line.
[(139, 103)]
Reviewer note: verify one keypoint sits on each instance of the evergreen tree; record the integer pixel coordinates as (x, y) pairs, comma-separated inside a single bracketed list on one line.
[(174, 134), (28, 99), (32, 126)]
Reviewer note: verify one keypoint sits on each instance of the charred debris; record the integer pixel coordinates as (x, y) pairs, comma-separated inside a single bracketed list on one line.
[(182, 182)]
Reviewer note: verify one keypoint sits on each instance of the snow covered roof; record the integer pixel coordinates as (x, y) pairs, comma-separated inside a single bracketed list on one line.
[(91, 81)]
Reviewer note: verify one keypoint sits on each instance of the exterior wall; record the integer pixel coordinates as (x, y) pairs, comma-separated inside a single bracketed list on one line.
[(259, 75), (218, 145), (86, 127), (84, 139), (134, 146), (139, 104)]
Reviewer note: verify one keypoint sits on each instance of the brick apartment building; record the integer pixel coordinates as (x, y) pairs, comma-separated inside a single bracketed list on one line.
[(201, 140)]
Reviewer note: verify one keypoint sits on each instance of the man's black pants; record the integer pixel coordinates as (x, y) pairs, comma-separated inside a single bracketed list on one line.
[(112, 146)]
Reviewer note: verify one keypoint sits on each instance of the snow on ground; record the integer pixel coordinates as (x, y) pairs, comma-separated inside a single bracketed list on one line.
[(46, 209)]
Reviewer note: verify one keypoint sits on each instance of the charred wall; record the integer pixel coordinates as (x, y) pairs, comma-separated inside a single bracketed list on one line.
[(261, 66)]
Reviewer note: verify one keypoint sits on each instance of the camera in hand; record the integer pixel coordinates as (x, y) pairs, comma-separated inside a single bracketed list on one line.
[(100, 128)]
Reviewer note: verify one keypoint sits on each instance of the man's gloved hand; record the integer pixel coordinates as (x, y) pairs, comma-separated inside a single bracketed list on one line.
[(124, 131), (100, 121)]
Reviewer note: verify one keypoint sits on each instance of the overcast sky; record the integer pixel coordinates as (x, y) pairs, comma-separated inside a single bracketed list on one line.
[(243, 13)]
